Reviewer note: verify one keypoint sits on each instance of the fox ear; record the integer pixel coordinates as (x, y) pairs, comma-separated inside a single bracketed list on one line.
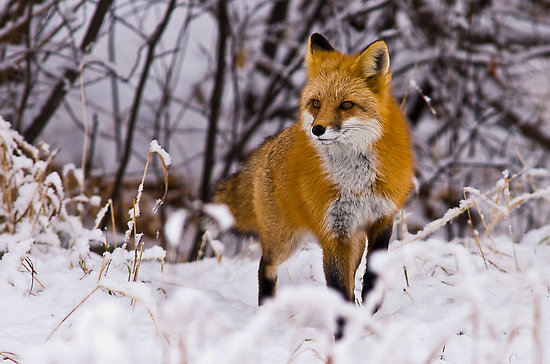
[(318, 47), (319, 43), (374, 64)]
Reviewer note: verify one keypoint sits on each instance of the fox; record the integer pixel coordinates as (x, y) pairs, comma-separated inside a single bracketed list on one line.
[(341, 172)]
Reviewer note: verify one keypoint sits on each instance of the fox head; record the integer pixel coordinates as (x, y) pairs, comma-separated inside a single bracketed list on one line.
[(344, 99)]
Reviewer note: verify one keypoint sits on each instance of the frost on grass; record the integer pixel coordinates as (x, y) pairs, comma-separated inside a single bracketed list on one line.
[(156, 148), (11, 263), (33, 203), (154, 253)]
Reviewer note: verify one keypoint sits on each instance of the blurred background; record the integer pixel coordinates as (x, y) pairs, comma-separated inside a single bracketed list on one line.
[(209, 80)]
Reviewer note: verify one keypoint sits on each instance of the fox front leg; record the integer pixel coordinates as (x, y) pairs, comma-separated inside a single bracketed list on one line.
[(378, 235), (341, 258), (267, 279)]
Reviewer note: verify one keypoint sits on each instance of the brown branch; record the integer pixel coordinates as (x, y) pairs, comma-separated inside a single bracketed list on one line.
[(215, 100), (151, 44), (69, 76), (215, 103), (276, 18), (28, 61)]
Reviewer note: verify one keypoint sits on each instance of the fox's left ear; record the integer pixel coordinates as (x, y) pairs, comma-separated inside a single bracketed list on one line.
[(319, 43), (318, 48), (374, 64)]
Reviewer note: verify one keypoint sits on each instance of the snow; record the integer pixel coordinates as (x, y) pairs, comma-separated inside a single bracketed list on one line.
[(453, 311), (537, 236), (174, 226), (221, 214), (156, 148), (217, 246), (101, 213), (154, 253)]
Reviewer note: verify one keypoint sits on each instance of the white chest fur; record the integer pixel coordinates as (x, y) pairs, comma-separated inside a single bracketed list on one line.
[(354, 172), (352, 166)]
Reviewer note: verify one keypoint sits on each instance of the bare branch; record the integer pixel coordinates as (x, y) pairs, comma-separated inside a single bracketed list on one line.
[(69, 76), (151, 44)]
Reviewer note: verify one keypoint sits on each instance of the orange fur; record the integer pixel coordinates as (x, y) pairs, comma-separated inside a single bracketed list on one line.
[(341, 172)]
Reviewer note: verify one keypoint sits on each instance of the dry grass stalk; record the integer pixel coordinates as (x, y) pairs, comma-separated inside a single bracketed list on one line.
[(134, 230), (99, 219), (205, 237), (300, 350), (7, 356), (135, 213), (70, 313), (110, 202), (487, 230), (104, 265), (30, 269), (120, 292), (508, 210), (474, 231), (149, 311), (139, 262), (165, 176), (136, 270)]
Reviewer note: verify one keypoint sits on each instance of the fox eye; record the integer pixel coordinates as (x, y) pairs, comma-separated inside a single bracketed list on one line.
[(316, 103), (346, 105)]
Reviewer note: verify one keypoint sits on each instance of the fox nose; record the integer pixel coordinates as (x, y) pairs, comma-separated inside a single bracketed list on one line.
[(318, 130)]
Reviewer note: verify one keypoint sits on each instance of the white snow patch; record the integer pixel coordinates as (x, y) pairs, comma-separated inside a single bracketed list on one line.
[(154, 253), (155, 147), (221, 214), (174, 226)]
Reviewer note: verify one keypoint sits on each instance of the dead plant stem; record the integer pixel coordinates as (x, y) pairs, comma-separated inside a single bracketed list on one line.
[(70, 313)]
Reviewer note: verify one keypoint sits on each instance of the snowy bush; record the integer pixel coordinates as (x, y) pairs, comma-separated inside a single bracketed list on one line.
[(33, 203), (33, 210)]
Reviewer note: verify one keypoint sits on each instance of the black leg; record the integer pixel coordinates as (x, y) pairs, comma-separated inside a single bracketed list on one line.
[(340, 326), (335, 278), (339, 270), (378, 240), (267, 283)]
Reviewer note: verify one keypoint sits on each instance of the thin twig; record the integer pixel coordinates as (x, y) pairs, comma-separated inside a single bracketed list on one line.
[(70, 313), (113, 222), (508, 209), (6, 355), (60, 89), (85, 121), (136, 103), (474, 232)]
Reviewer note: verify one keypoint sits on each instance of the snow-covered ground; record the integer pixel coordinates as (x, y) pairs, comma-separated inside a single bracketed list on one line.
[(453, 309), (464, 301)]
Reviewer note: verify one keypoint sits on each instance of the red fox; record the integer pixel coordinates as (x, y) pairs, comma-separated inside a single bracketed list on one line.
[(341, 172)]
